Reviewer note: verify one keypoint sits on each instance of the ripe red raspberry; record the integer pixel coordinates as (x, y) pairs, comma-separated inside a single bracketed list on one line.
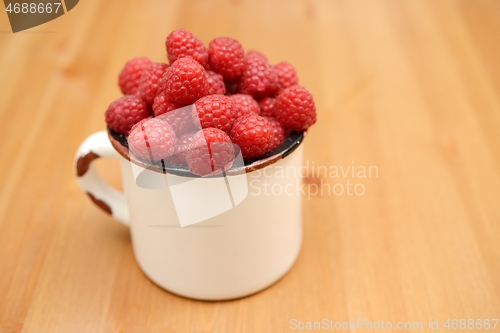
[(130, 75), (185, 81), (182, 145), (227, 57), (215, 83), (181, 43), (253, 134), (181, 120), (216, 111), (245, 104), (152, 140), (149, 85), (259, 77), (295, 108), (211, 152), (162, 105), (126, 111), (277, 130), (258, 54), (267, 106), (287, 76)]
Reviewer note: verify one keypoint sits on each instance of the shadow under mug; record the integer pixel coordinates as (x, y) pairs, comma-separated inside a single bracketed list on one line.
[(247, 245)]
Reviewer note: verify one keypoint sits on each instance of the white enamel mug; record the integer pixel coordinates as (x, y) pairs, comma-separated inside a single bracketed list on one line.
[(244, 249)]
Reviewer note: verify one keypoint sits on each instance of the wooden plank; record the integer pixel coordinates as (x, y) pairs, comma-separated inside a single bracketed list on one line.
[(411, 88)]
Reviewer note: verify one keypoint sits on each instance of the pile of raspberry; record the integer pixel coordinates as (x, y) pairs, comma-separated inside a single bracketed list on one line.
[(197, 108)]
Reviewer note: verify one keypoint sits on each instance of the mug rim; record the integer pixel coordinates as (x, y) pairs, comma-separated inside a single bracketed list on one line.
[(292, 142)]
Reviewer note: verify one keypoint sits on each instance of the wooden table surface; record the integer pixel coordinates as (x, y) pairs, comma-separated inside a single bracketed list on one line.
[(411, 88)]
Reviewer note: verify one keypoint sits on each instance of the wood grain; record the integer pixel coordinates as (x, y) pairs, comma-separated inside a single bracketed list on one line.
[(411, 87)]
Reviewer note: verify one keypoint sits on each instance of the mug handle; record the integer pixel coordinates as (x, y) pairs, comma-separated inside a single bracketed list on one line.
[(103, 195)]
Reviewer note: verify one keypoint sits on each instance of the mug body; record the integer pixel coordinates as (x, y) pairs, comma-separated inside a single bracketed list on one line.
[(242, 250)]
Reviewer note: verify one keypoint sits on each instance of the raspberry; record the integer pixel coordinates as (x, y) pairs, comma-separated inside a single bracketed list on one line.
[(123, 113), (130, 75), (254, 53), (181, 147), (267, 106), (181, 120), (295, 108), (258, 77), (215, 83), (215, 111), (253, 134), (227, 57), (245, 104), (149, 85), (287, 76), (278, 132), (185, 81), (162, 105), (181, 43), (211, 152), (152, 140)]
